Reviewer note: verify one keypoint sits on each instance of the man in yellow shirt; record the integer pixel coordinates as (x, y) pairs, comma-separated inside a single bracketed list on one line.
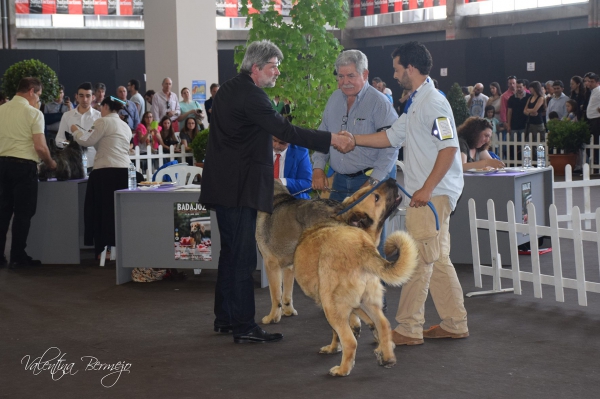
[(22, 144)]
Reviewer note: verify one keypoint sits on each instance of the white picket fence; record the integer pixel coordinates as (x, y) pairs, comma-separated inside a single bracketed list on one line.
[(508, 149), (568, 185), (155, 161), (535, 276)]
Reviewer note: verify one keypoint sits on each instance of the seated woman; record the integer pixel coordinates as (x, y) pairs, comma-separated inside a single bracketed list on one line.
[(144, 137), (187, 135), (110, 136), (167, 137), (474, 138)]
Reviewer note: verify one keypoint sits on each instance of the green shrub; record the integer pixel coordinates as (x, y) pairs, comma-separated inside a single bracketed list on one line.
[(456, 98), (199, 144), (568, 136), (35, 69)]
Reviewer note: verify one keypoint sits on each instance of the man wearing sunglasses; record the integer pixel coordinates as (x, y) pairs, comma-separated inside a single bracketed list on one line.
[(165, 102)]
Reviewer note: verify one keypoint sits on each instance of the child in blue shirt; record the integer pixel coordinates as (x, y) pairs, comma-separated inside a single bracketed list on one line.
[(490, 113)]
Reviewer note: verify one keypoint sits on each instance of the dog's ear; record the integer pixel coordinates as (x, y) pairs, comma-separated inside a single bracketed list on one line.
[(360, 219)]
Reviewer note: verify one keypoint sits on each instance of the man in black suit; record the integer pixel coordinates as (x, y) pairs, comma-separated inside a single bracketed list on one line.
[(238, 181)]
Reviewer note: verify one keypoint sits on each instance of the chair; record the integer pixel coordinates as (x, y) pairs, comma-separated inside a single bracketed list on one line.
[(181, 174)]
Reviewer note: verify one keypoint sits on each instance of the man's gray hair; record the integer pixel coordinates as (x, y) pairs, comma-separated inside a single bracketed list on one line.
[(549, 83), (356, 57), (260, 53)]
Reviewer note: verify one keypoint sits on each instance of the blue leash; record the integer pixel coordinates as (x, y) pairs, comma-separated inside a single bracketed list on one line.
[(429, 204)]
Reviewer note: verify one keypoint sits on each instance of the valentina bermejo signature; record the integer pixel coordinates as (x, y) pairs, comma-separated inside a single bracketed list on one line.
[(54, 362)]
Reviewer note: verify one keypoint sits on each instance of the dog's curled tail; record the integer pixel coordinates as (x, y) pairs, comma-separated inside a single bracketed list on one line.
[(398, 272)]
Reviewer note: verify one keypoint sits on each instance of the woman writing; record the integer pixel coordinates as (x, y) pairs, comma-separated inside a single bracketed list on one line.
[(110, 136), (534, 109), (474, 138)]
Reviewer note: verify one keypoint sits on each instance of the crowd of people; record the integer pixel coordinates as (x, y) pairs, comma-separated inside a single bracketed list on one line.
[(526, 107)]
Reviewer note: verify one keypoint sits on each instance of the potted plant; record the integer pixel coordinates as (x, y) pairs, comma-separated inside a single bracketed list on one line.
[(199, 144), (456, 98), (567, 139), (33, 68)]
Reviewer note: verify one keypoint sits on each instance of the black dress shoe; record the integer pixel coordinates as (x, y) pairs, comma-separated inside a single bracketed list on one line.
[(25, 262), (257, 335), (224, 329)]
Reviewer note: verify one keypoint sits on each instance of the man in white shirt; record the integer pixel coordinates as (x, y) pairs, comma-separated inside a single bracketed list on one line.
[(477, 101), (133, 87), (84, 115), (433, 173), (165, 102), (558, 102)]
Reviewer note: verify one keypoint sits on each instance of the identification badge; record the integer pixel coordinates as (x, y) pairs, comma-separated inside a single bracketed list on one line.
[(442, 129)]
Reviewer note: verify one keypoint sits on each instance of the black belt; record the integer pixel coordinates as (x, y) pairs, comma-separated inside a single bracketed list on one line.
[(19, 160), (360, 172)]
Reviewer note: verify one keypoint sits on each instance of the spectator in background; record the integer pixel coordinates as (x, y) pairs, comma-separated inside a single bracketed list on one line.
[(510, 92), (382, 87), (593, 108), (573, 113), (402, 101), (208, 104), (167, 137), (99, 92), (375, 82), (466, 92), (133, 87), (495, 98), (477, 101), (165, 103), (129, 113), (277, 104), (559, 100), (490, 116), (145, 137), (578, 90), (148, 99), (188, 132), (515, 116), (534, 109), (190, 108), (54, 111)]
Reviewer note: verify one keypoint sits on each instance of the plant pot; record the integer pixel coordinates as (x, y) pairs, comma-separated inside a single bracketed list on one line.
[(559, 161), (199, 164)]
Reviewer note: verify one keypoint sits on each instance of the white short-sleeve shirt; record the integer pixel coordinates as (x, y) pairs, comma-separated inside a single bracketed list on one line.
[(414, 130)]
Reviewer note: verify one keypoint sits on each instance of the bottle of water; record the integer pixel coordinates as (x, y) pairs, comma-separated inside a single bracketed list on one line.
[(527, 156), (84, 161), (541, 156), (132, 177)]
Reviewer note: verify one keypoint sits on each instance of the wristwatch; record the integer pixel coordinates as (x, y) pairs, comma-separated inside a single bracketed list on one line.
[(373, 182)]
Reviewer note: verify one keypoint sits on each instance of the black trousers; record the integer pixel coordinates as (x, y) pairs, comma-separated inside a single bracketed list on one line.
[(234, 293), (18, 198)]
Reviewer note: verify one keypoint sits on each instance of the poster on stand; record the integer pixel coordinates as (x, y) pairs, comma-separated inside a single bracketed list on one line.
[(199, 91), (192, 232)]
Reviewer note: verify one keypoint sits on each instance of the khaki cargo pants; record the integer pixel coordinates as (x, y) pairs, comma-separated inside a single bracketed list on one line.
[(434, 273)]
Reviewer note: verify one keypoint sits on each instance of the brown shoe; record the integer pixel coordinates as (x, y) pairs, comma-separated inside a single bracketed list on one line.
[(438, 332), (400, 339)]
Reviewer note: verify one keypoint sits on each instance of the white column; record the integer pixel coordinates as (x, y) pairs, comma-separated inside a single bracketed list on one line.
[(181, 43)]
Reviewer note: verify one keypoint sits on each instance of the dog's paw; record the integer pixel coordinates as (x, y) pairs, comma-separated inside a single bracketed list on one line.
[(337, 371), (387, 363), (271, 319), (330, 349), (288, 312)]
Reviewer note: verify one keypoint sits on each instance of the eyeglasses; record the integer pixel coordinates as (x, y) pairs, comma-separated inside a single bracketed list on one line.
[(511, 77), (344, 122)]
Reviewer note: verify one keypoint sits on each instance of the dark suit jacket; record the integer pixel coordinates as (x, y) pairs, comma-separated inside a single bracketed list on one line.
[(238, 169), (297, 170)]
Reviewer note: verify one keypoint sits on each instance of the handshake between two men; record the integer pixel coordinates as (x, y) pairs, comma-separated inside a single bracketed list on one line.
[(343, 141)]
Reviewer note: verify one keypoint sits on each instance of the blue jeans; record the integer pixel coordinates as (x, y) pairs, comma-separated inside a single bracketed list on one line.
[(18, 197), (234, 293), (344, 186)]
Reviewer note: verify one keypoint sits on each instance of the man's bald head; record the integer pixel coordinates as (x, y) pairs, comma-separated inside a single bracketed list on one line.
[(122, 93), (478, 89)]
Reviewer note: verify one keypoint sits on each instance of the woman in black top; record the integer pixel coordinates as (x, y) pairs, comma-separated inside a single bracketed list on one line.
[(578, 91), (533, 110)]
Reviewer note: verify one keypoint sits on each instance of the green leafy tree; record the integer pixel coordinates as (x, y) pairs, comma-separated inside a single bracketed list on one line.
[(35, 69), (456, 98), (309, 52)]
